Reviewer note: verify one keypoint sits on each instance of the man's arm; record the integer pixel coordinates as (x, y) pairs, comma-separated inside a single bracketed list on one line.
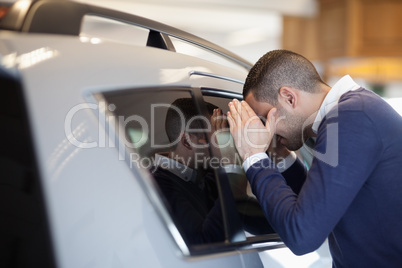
[(295, 176), (336, 176)]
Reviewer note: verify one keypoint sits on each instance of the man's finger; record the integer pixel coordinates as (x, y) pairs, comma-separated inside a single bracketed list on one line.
[(221, 118), (217, 119), (234, 112), (243, 114), (231, 121)]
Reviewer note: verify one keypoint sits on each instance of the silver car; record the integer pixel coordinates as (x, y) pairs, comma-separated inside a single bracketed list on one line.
[(87, 145)]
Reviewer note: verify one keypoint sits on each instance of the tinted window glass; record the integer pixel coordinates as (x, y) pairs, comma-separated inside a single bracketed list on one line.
[(94, 29), (168, 132), (24, 235), (184, 143), (4, 9), (251, 214), (188, 48)]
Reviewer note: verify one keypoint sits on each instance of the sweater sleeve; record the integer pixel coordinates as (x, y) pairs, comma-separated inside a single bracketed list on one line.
[(198, 213), (346, 152), (295, 176)]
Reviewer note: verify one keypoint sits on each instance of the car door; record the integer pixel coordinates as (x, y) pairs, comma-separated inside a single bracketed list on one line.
[(230, 220)]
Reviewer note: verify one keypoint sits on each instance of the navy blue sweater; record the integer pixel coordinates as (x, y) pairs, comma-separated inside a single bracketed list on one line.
[(353, 190)]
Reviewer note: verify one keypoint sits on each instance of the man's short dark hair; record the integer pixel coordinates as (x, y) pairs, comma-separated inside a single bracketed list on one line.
[(279, 68), (174, 119)]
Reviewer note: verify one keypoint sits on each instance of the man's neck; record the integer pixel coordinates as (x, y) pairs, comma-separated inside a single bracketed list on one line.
[(313, 103)]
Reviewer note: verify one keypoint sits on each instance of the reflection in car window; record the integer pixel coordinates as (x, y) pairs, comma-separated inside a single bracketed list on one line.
[(252, 216), (169, 134), (185, 145), (188, 48), (183, 175), (96, 29)]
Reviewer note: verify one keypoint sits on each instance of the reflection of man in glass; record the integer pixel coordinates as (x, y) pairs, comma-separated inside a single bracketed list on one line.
[(185, 175), (183, 178)]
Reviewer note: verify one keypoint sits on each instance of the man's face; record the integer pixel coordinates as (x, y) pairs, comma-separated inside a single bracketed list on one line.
[(198, 155), (289, 127)]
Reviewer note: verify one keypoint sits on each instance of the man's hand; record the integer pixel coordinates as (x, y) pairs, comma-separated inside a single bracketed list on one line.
[(221, 139), (249, 133), (219, 121)]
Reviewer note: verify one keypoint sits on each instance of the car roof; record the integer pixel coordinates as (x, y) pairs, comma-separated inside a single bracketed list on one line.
[(65, 17), (44, 36), (67, 57)]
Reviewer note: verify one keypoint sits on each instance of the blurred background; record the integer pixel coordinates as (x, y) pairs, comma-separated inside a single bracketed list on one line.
[(362, 38)]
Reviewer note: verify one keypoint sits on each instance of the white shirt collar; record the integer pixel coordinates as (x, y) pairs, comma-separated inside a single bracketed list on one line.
[(182, 171), (344, 85)]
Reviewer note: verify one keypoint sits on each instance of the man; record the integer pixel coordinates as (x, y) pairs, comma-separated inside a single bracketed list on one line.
[(183, 178), (352, 193)]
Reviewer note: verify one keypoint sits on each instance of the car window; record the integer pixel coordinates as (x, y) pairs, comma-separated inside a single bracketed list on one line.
[(94, 29), (252, 217), (24, 232), (168, 136), (4, 9), (188, 48), (183, 142)]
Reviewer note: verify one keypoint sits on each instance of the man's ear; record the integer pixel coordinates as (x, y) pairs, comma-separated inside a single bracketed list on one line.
[(287, 96), (185, 140)]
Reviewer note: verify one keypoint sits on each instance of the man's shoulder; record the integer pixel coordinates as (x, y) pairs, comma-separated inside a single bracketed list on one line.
[(168, 182), (367, 102), (359, 100), (164, 175), (360, 104)]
